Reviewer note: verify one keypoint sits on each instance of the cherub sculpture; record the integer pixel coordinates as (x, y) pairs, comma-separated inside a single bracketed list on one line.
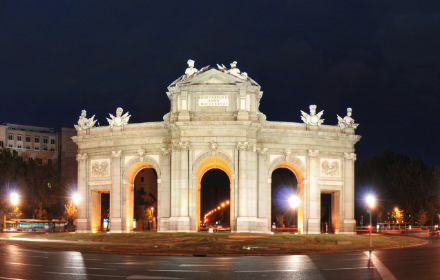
[(347, 121), (313, 119), (119, 120), (85, 123)]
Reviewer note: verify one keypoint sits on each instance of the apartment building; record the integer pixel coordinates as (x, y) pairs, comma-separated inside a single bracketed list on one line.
[(44, 145)]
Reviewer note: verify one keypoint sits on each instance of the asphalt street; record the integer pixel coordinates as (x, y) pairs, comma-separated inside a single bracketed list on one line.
[(407, 263)]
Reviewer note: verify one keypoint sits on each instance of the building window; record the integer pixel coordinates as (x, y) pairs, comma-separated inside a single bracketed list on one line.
[(52, 141), (19, 147), (142, 179), (49, 162), (45, 148), (28, 147), (2, 144), (37, 140), (52, 149), (18, 137), (10, 137), (39, 160), (28, 139), (10, 146), (45, 140), (36, 148)]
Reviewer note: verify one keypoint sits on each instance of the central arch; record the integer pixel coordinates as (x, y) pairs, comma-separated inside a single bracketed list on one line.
[(208, 163)]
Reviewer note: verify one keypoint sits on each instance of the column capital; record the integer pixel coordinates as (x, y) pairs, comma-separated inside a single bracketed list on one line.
[(165, 151), (80, 157), (350, 156), (184, 146), (313, 153), (243, 145), (116, 154), (262, 151)]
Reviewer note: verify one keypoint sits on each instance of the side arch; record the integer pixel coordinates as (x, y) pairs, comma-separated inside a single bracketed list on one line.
[(297, 167), (134, 167)]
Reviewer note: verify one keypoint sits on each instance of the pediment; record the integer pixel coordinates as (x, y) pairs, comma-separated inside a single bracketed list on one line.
[(212, 77)]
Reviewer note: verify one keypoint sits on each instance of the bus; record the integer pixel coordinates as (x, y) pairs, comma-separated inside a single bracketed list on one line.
[(35, 225)]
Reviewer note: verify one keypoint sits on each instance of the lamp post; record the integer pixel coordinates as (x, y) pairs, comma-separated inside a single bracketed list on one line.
[(76, 198), (370, 203), (294, 202), (14, 198)]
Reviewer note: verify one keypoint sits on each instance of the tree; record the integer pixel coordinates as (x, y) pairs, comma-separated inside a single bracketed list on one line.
[(398, 181)]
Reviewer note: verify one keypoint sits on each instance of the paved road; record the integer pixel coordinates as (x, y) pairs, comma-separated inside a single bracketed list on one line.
[(408, 263)]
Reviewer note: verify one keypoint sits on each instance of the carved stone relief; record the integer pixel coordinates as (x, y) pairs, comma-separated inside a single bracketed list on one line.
[(330, 168), (100, 167)]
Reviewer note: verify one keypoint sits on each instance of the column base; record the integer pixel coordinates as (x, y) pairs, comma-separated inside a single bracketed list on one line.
[(349, 226), (313, 226), (82, 226), (174, 224), (253, 224), (116, 225)]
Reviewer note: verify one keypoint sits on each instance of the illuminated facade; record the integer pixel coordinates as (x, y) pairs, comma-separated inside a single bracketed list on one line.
[(215, 123)]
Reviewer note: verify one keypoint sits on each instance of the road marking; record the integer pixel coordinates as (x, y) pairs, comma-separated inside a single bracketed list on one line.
[(85, 267), (383, 271), (24, 264), (150, 277), (84, 274), (176, 270), (201, 264), (347, 268), (269, 270)]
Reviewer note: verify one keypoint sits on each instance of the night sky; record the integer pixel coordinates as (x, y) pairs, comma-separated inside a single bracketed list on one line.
[(382, 58)]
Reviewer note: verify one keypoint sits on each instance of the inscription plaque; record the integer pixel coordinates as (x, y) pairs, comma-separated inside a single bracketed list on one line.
[(214, 100)]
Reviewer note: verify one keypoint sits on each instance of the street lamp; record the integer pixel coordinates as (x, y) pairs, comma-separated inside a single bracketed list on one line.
[(371, 200), (294, 202), (14, 198), (76, 198)]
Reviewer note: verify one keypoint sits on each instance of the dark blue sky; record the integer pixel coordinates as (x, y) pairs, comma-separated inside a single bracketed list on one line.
[(381, 59)]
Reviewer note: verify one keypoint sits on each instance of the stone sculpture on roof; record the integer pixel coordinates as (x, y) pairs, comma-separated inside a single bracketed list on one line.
[(85, 123), (347, 121), (233, 71), (190, 70), (120, 120), (313, 119)]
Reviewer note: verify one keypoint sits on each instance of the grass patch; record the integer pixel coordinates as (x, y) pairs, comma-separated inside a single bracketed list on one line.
[(154, 243)]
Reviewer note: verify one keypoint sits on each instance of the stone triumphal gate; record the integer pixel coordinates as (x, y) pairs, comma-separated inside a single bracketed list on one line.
[(215, 123)]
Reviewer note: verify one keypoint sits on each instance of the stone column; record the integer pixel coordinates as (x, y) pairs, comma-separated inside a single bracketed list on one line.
[(349, 223), (163, 190), (117, 202), (179, 220), (95, 211), (247, 189), (264, 189), (82, 222), (314, 197)]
